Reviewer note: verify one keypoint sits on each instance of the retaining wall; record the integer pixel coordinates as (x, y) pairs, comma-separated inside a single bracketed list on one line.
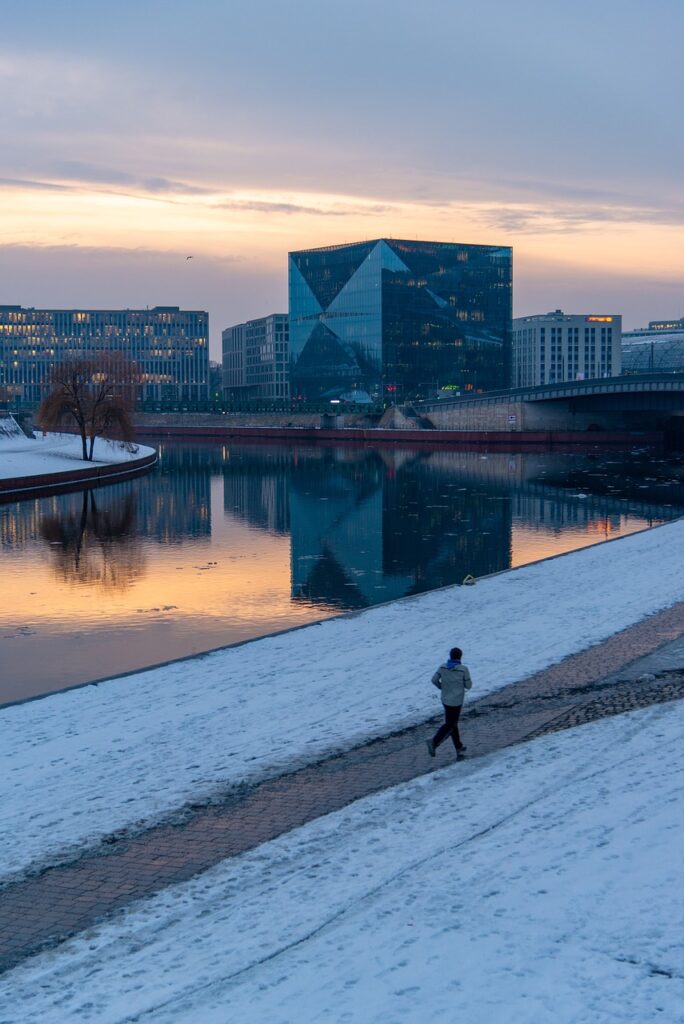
[(540, 439), (16, 488)]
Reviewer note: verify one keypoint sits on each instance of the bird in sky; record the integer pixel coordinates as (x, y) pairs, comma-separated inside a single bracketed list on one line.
[(188, 257)]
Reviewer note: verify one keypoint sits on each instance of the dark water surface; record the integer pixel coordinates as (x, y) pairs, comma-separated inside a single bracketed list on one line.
[(227, 542)]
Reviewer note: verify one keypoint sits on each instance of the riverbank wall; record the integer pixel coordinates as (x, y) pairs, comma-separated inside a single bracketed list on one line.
[(358, 429), (42, 484)]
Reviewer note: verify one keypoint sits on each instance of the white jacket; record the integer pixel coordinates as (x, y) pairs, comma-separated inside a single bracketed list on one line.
[(453, 682)]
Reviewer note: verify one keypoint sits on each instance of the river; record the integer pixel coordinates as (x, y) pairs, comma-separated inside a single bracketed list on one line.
[(227, 542)]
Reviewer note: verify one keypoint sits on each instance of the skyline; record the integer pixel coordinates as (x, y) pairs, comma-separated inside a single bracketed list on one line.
[(138, 136)]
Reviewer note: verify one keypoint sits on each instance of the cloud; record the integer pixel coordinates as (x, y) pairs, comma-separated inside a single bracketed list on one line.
[(178, 187), (553, 219), (274, 206), (48, 186), (80, 178), (570, 208), (118, 254), (83, 173)]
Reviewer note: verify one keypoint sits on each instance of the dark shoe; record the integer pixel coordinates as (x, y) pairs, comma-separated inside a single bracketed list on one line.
[(460, 756), (431, 748), (461, 749)]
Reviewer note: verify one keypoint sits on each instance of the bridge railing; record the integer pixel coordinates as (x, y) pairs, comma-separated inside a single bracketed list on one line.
[(569, 388)]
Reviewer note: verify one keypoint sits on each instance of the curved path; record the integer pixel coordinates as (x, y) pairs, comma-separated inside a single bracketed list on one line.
[(47, 908)]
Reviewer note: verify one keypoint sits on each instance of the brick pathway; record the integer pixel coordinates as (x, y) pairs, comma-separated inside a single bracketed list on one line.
[(43, 910)]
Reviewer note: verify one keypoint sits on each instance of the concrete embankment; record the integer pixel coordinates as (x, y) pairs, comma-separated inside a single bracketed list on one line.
[(41, 484), (308, 428)]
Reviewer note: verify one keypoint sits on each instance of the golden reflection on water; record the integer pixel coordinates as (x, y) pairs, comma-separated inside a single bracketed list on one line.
[(227, 543), (104, 581), (531, 544)]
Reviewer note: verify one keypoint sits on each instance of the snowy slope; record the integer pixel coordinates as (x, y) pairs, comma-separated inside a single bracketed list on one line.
[(77, 765), (10, 431), (541, 884)]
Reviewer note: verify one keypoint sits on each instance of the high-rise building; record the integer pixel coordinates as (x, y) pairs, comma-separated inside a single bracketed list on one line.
[(552, 347), (169, 347), (255, 358), (399, 319)]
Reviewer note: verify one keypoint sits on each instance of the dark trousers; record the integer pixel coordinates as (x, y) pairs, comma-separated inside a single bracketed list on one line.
[(450, 727)]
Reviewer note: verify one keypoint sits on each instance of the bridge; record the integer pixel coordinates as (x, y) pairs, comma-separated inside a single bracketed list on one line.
[(653, 401)]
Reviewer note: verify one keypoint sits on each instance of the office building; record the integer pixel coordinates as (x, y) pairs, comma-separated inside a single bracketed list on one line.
[(399, 319), (169, 347), (215, 380), (255, 359), (666, 325), (553, 347), (659, 348), (233, 359)]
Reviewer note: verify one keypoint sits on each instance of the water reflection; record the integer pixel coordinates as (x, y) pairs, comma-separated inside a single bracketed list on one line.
[(224, 543), (96, 545), (372, 525), (174, 503)]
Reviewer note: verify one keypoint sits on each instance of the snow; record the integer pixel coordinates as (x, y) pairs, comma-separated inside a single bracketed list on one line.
[(58, 453), (9, 428), (75, 766), (539, 884)]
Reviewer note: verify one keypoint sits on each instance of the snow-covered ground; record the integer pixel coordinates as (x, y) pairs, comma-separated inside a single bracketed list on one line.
[(540, 884), (57, 453), (75, 766), (9, 429)]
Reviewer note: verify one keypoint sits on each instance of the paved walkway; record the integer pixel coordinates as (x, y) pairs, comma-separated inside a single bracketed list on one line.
[(43, 910)]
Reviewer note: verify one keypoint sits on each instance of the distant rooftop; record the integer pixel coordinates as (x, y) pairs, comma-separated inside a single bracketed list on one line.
[(653, 337), (90, 309), (557, 314), (402, 241), (666, 325)]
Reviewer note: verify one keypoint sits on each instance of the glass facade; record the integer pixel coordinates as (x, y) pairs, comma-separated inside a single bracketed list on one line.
[(399, 319), (169, 347), (653, 351)]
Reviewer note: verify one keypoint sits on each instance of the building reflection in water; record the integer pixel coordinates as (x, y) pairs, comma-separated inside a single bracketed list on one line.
[(147, 570), (255, 485), (365, 525), (174, 503), (169, 506), (371, 525)]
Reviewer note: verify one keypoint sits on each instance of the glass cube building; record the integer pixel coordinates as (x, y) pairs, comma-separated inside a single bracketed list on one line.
[(399, 319)]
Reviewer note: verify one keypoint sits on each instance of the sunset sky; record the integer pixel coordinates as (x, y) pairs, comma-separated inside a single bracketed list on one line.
[(136, 134)]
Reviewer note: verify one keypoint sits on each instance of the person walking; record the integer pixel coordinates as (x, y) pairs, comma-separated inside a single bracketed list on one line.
[(453, 679)]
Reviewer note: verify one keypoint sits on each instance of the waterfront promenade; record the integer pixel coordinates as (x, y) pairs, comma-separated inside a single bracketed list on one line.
[(43, 909)]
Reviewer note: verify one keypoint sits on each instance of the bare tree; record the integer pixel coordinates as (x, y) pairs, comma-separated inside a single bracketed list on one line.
[(96, 395)]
